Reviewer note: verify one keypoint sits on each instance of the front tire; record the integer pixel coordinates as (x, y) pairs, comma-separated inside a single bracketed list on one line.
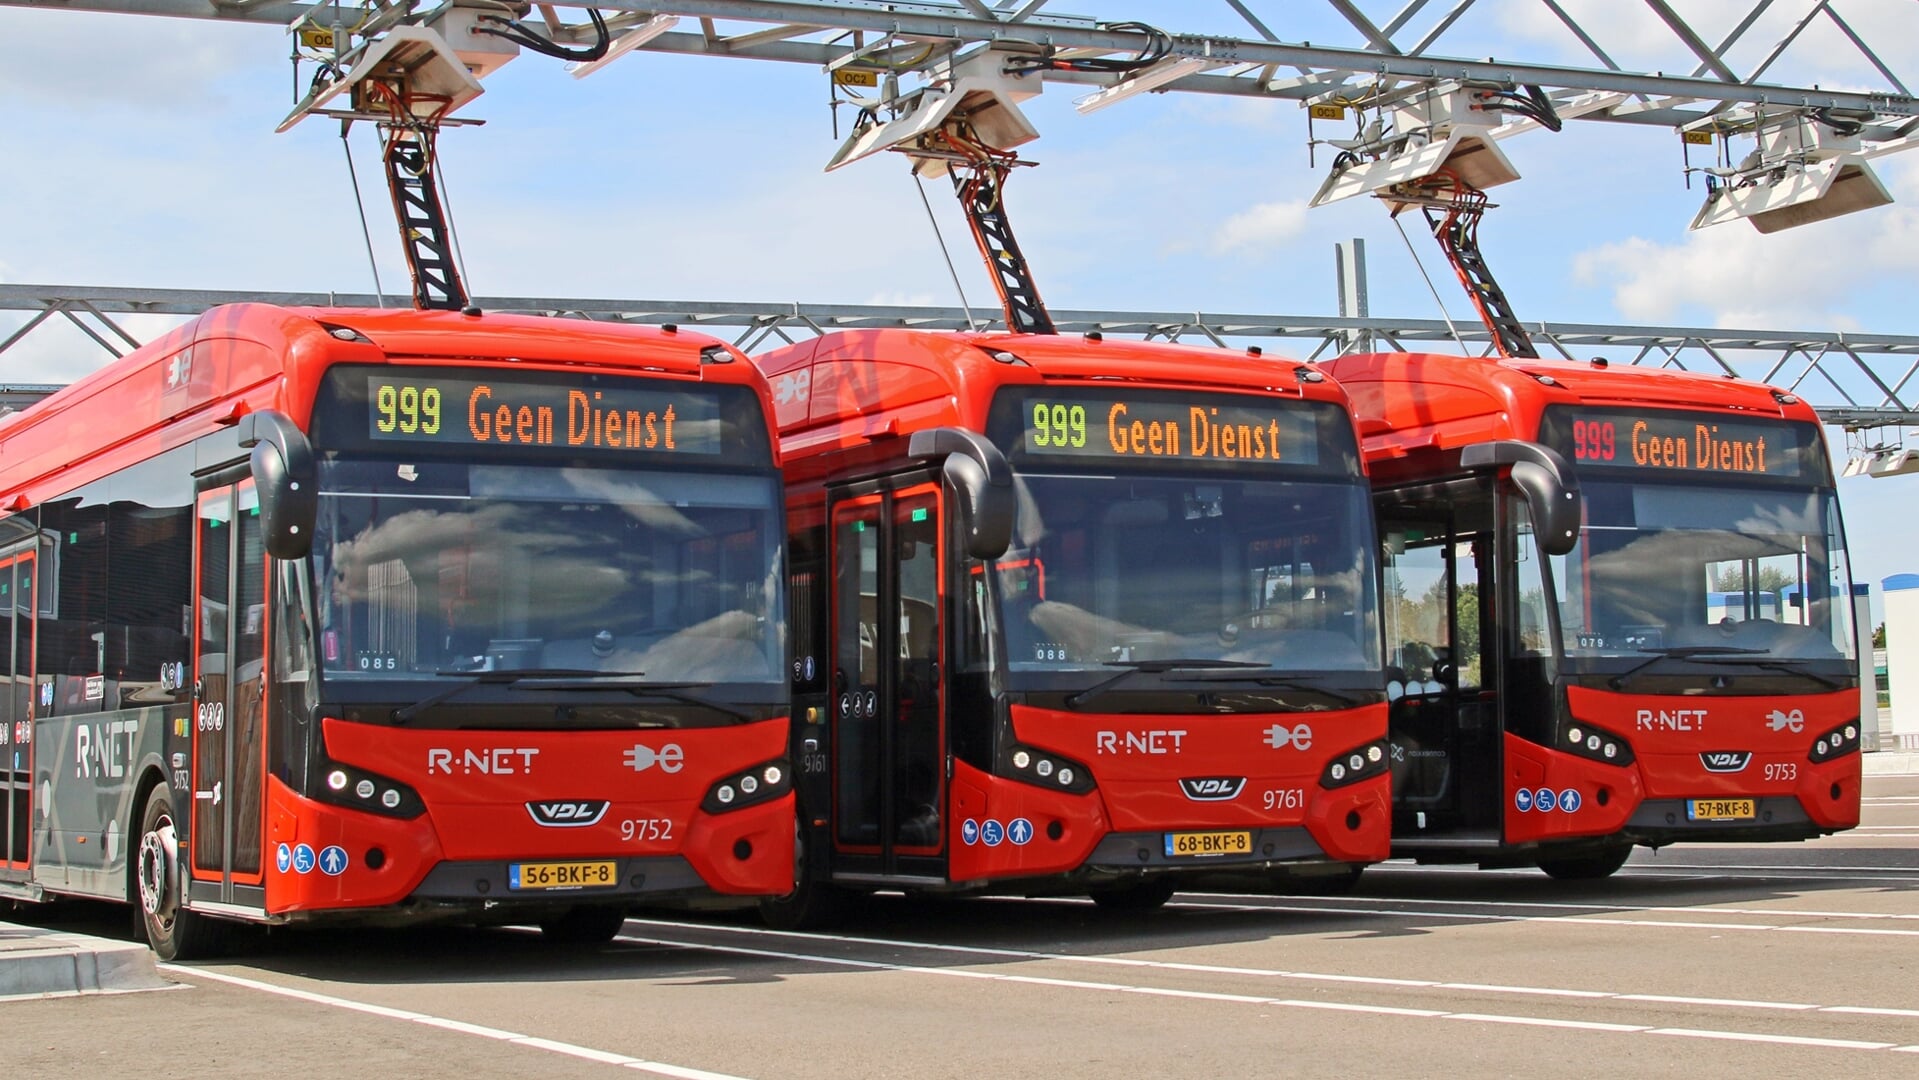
[(174, 932), (812, 905), (1148, 895), (1587, 867), (591, 925)]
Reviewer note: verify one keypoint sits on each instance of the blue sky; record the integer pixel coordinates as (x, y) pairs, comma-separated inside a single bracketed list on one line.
[(141, 152)]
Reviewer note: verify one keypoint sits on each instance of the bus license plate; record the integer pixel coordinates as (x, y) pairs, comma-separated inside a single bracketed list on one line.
[(1179, 844), (562, 875), (1721, 809)]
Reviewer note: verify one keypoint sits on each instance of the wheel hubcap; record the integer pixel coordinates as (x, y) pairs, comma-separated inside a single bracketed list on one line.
[(156, 871)]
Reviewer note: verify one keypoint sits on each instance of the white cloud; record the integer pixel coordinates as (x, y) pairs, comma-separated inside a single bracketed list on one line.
[(1261, 228), (1803, 277)]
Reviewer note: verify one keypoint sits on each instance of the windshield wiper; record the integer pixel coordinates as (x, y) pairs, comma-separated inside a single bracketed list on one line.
[(1677, 652), (1151, 667), (499, 678), (1786, 666), (671, 691), (1308, 683)]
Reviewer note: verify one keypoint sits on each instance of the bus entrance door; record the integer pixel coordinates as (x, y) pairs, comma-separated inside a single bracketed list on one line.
[(228, 706), (888, 716), (16, 707), (1443, 709)]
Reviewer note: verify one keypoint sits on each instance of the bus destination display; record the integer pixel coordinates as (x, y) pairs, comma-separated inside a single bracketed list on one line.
[(1684, 442), (1170, 427), (416, 407)]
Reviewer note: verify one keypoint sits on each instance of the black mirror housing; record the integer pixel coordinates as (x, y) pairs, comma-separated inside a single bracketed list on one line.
[(982, 483), (287, 480), (1549, 484)]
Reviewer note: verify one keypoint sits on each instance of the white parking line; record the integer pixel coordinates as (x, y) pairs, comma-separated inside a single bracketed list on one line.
[(1243, 999), (1664, 871), (1563, 906), (1582, 920), (1271, 973), (587, 1053)]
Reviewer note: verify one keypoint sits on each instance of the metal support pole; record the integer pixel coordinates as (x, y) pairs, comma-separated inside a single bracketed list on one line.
[(1349, 261)]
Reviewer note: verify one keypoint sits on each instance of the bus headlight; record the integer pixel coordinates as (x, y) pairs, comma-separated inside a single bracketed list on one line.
[(748, 787)]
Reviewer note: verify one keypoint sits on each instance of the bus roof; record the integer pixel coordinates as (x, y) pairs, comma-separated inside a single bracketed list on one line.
[(239, 358), (844, 389), (1410, 403)]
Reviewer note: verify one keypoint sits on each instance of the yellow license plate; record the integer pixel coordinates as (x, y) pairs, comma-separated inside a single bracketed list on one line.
[(1180, 844), (562, 875), (1721, 809)]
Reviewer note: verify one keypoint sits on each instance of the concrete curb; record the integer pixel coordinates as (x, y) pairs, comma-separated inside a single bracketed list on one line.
[(35, 961), (1891, 763)]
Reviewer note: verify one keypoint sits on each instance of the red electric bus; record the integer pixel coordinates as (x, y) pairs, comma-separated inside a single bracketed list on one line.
[(1074, 616), (389, 616), (1617, 610)]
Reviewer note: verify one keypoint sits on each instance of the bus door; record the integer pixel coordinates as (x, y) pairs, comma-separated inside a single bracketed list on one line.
[(16, 713), (1443, 673), (228, 701), (886, 696)]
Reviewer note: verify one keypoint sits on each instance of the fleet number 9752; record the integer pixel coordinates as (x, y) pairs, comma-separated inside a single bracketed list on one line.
[(646, 829)]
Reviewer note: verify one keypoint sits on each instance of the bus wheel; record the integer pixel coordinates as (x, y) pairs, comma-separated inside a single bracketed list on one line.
[(584, 925), (174, 932), (1587, 867), (812, 905), (1148, 895)]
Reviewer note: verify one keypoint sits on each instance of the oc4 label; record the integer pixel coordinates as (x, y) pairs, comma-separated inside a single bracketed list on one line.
[(1212, 788), (567, 813)]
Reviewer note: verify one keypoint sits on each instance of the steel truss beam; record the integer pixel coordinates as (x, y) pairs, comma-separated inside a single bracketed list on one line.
[(830, 32), (1856, 381)]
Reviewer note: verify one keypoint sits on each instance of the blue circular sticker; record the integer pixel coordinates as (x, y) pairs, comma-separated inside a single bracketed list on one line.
[(1569, 801), (1545, 800), (992, 832), (1019, 831), (969, 831), (333, 860), (303, 859), (283, 857), (1523, 799)]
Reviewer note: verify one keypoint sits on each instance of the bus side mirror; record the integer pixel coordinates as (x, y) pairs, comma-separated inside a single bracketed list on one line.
[(1551, 489), (982, 481), (286, 478)]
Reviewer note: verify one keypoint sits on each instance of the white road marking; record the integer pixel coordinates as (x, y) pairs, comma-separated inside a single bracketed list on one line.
[(1564, 906), (1272, 973), (1582, 920), (1236, 999), (1669, 870), (660, 1068)]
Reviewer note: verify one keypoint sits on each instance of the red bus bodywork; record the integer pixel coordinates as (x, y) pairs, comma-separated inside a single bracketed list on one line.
[(1727, 752), (477, 790), (848, 406)]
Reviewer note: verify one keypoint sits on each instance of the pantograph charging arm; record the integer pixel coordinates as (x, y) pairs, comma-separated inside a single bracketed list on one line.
[(980, 185)]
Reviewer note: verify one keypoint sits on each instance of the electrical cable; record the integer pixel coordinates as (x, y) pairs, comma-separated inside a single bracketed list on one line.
[(1443, 313), (1159, 45), (519, 34), (379, 292), (950, 268)]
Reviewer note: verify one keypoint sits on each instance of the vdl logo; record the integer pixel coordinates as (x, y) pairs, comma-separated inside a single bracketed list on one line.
[(567, 813), (1212, 788), (1725, 761)]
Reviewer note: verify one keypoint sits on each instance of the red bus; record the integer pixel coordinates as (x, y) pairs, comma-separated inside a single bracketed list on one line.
[(1074, 616), (392, 616), (1617, 610)]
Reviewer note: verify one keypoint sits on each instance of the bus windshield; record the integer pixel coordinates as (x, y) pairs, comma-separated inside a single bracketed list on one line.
[(1693, 569), (431, 567), (1119, 569)]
